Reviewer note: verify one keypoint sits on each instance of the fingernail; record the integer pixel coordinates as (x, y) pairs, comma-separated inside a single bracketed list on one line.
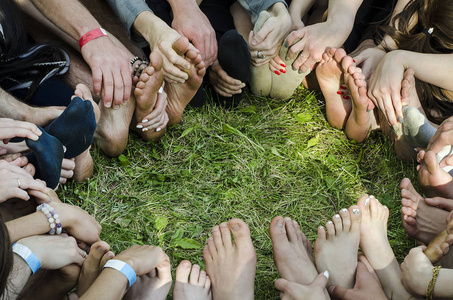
[(116, 107), (355, 211), (286, 58), (326, 273), (108, 104), (124, 102), (346, 97), (283, 65), (186, 66), (367, 109), (400, 120), (277, 72), (35, 137), (158, 129), (238, 82), (253, 42), (416, 150), (186, 265), (64, 149), (300, 71), (287, 219), (394, 128), (100, 249), (145, 121), (139, 126), (294, 69), (286, 44), (39, 132), (110, 255), (145, 129), (161, 90), (340, 92), (321, 228), (283, 71)]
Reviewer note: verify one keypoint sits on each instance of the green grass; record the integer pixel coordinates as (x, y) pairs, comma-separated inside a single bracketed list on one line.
[(266, 158)]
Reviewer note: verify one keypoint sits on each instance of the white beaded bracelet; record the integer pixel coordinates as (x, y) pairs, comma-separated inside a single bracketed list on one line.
[(52, 216), (124, 268)]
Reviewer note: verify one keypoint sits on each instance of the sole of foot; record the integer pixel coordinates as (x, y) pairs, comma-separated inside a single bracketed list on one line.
[(191, 283), (330, 79), (231, 266), (337, 246), (292, 251), (180, 94), (260, 77)]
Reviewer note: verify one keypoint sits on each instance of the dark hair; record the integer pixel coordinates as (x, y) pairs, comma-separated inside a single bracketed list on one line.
[(23, 64), (6, 258), (426, 26)]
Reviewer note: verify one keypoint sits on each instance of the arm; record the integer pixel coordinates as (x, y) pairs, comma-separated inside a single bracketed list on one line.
[(297, 10), (190, 22), (108, 62), (313, 40), (18, 277)]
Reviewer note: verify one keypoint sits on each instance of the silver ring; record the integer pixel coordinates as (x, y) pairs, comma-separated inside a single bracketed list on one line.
[(18, 182), (260, 54)]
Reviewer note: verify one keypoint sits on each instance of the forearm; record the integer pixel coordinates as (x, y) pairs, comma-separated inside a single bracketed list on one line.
[(440, 66), (443, 288), (12, 108), (183, 6), (298, 9), (147, 25), (33, 224), (18, 277), (341, 16), (70, 16), (109, 285)]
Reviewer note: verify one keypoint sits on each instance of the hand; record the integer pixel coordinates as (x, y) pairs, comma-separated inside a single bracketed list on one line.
[(10, 128), (192, 23), (46, 195), (110, 65), (367, 283), (223, 84), (54, 251), (417, 271), (384, 87), (294, 291), (158, 118), (442, 137), (14, 181), (67, 170), (143, 259), (368, 59), (78, 222), (269, 39)]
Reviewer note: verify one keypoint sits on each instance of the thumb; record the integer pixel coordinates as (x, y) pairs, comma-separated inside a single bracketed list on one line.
[(322, 279), (338, 292), (281, 284)]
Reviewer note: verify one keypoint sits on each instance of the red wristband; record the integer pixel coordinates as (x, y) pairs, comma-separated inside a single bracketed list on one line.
[(91, 35)]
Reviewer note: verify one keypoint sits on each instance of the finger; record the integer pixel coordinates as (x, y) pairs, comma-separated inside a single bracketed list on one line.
[(97, 81), (281, 284), (17, 193), (127, 81), (262, 34), (107, 89), (118, 88), (174, 75), (66, 174), (222, 93), (443, 203), (322, 279), (389, 111), (10, 132)]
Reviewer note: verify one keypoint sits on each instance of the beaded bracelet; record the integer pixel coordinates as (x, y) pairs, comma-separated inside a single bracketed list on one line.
[(430, 290), (52, 216), (30, 258), (124, 268)]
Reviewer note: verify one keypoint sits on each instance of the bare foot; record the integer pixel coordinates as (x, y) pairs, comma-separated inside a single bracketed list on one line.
[(330, 78), (292, 251), (434, 181), (146, 93), (92, 266), (231, 266), (180, 94), (197, 288), (361, 118), (420, 220), (154, 285), (374, 244), (336, 251)]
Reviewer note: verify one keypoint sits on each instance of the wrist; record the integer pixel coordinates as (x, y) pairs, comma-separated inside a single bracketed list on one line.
[(92, 35), (183, 6), (124, 268), (27, 256)]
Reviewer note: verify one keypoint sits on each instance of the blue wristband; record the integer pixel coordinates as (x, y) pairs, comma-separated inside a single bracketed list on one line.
[(26, 254), (123, 268)]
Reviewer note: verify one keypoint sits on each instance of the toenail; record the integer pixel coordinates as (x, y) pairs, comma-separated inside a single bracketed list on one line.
[(216, 228), (367, 201), (371, 196), (385, 207), (280, 223), (356, 211), (110, 255), (236, 227), (100, 249), (330, 222), (344, 210), (321, 228), (223, 225), (186, 264), (337, 216), (139, 126), (287, 219)]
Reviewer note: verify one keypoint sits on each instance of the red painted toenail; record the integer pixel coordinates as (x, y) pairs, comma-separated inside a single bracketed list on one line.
[(340, 93), (342, 87), (277, 72), (282, 70), (345, 97), (283, 65)]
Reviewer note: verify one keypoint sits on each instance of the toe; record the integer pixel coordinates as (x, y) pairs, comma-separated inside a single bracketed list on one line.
[(217, 236), (277, 231), (330, 229), (226, 235), (194, 274), (202, 278), (355, 217), (290, 230), (346, 219), (207, 255), (164, 271), (337, 224), (240, 230), (108, 256), (183, 271), (212, 248), (207, 285)]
